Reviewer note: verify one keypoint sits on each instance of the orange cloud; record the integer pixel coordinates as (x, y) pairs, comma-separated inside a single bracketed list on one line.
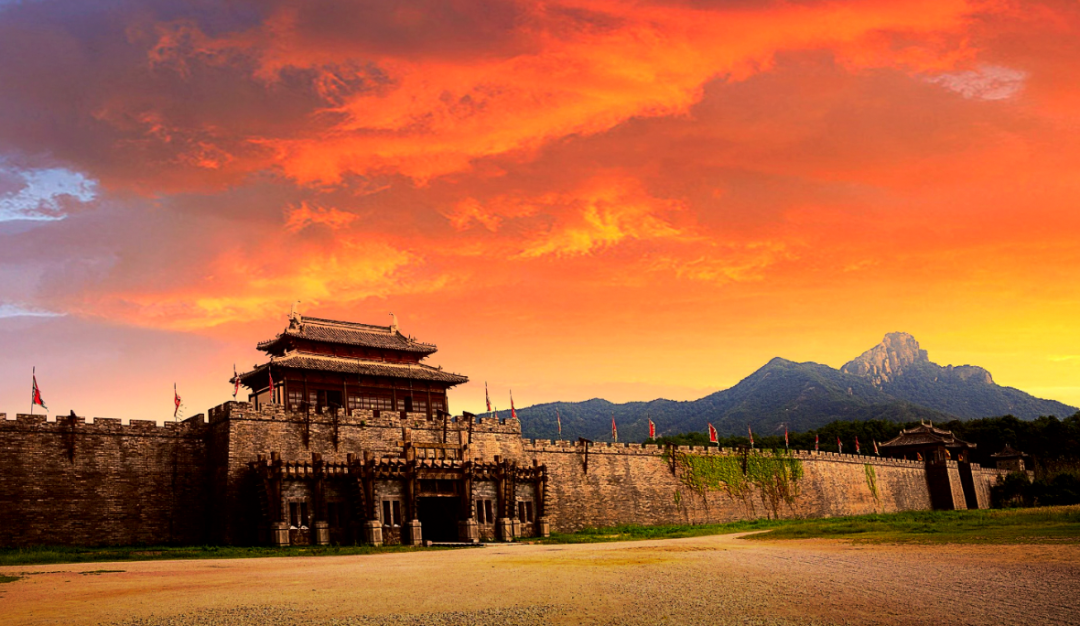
[(622, 191), (603, 214), (299, 218), (425, 116), (244, 286)]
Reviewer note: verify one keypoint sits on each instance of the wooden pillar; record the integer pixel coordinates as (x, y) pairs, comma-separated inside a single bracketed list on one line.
[(511, 489), (542, 527), (372, 526), (275, 487), (467, 508), (500, 488), (539, 480), (468, 528), (318, 486), (371, 507), (430, 413), (412, 524)]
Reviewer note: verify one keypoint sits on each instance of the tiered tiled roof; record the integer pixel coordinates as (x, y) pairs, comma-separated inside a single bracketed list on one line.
[(350, 333), (1008, 452), (326, 363), (926, 434)]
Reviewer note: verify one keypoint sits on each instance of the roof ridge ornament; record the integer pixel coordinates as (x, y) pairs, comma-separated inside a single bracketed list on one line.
[(393, 323), (296, 321)]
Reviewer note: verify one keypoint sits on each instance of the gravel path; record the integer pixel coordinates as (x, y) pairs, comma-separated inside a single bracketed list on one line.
[(704, 580)]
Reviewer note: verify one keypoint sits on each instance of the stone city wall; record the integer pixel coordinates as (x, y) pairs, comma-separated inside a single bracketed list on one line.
[(636, 484), (102, 482), (241, 433)]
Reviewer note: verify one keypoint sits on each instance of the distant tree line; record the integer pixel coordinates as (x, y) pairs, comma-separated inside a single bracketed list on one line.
[(1053, 445)]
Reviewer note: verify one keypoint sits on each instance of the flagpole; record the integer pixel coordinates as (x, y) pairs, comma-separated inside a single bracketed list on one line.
[(33, 374)]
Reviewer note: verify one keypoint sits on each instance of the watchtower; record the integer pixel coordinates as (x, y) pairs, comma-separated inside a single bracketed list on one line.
[(327, 364)]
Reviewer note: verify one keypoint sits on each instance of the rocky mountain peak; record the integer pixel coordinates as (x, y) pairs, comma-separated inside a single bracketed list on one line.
[(888, 359)]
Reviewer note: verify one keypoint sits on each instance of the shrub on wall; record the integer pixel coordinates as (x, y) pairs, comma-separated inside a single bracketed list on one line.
[(871, 481), (775, 474)]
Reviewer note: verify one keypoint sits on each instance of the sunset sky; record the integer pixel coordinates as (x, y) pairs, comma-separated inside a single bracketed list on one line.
[(572, 199)]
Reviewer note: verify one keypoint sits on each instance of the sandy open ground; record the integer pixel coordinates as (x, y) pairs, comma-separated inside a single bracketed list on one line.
[(703, 580)]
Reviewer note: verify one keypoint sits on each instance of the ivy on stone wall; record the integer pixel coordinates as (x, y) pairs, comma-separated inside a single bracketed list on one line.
[(775, 474), (871, 480)]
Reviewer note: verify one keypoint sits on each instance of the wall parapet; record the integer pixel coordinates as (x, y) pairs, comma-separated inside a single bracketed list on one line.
[(538, 446), (361, 418), (62, 424)]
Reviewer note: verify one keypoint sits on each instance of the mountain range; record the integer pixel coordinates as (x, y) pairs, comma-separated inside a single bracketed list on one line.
[(894, 380)]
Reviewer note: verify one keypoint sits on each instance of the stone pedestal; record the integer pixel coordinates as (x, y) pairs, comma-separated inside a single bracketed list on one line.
[(505, 529), (279, 534), (413, 535), (516, 525), (373, 532), (543, 527), (468, 531), (321, 533)]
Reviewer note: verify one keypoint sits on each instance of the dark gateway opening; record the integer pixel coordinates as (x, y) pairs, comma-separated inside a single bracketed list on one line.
[(438, 518)]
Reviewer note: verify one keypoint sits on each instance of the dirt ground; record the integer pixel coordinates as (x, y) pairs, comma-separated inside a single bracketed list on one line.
[(703, 580)]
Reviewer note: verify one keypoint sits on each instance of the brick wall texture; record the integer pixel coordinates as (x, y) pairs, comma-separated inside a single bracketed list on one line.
[(71, 482), (105, 483)]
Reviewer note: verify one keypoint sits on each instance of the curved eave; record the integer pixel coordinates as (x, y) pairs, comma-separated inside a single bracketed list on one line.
[(316, 363), (425, 349)]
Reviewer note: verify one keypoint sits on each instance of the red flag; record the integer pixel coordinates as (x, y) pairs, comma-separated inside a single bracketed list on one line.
[(748, 429), (513, 412), (815, 442), (558, 420), (614, 430), (271, 375), (236, 381), (857, 449), (35, 394), (712, 434), (839, 444), (652, 430), (785, 436), (487, 398), (176, 401), (875, 448)]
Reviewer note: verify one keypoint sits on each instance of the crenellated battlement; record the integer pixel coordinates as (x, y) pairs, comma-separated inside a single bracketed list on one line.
[(194, 426), (363, 418), (535, 446), (190, 470)]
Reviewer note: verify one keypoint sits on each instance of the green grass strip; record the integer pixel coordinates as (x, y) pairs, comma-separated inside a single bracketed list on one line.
[(997, 526)]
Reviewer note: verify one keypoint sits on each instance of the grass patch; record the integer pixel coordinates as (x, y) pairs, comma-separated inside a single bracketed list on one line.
[(674, 531), (41, 555), (1054, 525)]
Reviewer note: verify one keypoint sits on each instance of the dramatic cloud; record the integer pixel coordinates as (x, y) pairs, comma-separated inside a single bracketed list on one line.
[(987, 83), (8, 309), (632, 195), (42, 195), (305, 215)]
